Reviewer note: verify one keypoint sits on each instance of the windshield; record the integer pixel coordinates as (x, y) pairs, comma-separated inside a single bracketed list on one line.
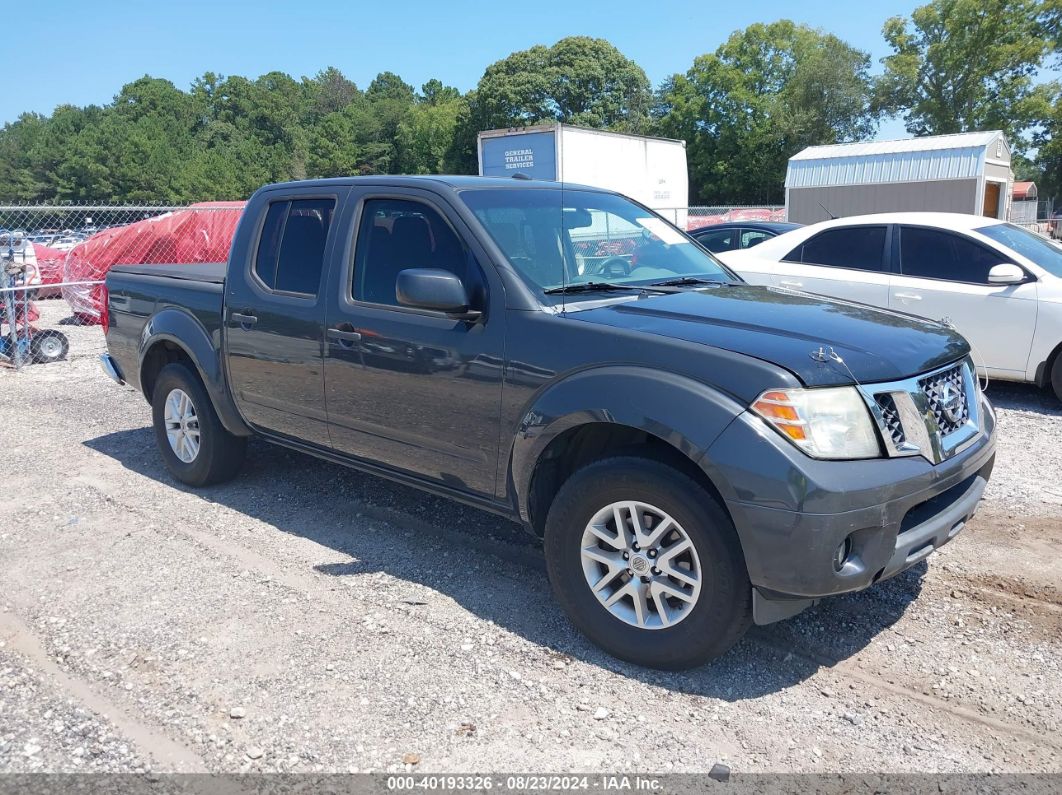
[(1031, 246), (557, 237)]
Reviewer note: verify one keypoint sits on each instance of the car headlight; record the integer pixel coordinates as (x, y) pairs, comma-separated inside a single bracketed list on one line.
[(824, 423)]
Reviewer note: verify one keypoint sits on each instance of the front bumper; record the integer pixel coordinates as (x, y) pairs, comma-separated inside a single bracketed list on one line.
[(792, 513)]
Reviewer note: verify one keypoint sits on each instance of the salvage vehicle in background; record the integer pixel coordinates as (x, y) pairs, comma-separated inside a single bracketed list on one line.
[(999, 285), (697, 453), (735, 235)]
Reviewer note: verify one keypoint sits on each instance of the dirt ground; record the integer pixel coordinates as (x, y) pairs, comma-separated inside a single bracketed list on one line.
[(309, 618)]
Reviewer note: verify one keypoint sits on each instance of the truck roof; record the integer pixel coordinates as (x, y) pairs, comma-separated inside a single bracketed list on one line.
[(453, 181)]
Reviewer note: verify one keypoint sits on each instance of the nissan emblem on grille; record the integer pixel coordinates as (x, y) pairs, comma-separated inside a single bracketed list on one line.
[(953, 403), (947, 399)]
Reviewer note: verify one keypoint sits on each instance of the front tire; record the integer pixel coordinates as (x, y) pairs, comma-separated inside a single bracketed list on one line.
[(194, 444), (676, 600), (1056, 376)]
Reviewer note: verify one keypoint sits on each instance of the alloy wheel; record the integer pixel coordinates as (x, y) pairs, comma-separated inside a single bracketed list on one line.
[(641, 565), (182, 426)]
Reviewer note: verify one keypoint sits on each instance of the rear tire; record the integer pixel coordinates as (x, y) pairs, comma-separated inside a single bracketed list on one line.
[(1056, 376), (695, 631), (194, 444)]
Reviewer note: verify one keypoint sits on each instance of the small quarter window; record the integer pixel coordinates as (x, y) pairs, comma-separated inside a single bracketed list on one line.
[(265, 264), (291, 251)]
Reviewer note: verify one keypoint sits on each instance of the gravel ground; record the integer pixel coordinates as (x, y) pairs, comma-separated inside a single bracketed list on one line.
[(45, 729), (309, 618)]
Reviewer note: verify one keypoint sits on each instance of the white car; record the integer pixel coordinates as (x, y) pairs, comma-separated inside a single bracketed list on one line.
[(66, 242), (997, 284)]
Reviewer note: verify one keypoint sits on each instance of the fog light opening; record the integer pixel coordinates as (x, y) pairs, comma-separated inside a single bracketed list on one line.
[(840, 557)]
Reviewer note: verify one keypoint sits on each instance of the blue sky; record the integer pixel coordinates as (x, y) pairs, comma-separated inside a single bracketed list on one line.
[(83, 52)]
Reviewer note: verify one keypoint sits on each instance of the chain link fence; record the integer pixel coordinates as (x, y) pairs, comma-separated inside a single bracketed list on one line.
[(54, 260)]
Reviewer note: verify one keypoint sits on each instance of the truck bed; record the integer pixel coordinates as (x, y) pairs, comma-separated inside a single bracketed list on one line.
[(211, 272), (139, 292)]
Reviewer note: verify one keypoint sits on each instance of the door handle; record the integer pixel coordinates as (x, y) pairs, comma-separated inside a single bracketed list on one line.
[(245, 319), (908, 296), (346, 338), (791, 284)]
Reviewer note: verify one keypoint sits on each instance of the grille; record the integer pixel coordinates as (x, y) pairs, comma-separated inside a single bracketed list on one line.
[(890, 415), (946, 393)]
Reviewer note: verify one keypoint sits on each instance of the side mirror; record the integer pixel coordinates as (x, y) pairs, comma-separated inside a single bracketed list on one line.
[(435, 289), (1006, 273)]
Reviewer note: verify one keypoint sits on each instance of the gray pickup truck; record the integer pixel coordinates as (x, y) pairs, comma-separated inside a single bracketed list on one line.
[(697, 453)]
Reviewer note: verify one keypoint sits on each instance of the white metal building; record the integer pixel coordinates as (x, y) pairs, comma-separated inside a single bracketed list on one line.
[(964, 173)]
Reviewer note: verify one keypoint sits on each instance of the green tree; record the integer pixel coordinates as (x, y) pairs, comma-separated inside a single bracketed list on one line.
[(21, 174), (146, 139), (1047, 142), (461, 156), (389, 101), (354, 141), (329, 91), (70, 163), (435, 93), (1047, 133), (579, 80), (961, 65), (766, 93), (389, 86), (427, 130)]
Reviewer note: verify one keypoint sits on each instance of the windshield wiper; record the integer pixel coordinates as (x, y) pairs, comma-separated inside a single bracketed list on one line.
[(593, 287), (683, 281)]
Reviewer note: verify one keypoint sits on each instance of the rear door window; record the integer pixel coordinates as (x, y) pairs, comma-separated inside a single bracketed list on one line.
[(291, 250), (933, 254), (857, 247)]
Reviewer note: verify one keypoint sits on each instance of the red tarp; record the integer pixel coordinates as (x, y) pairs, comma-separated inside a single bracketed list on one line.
[(49, 263), (201, 233), (737, 214)]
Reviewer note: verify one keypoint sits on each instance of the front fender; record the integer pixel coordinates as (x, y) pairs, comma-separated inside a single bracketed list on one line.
[(683, 412), (182, 329)]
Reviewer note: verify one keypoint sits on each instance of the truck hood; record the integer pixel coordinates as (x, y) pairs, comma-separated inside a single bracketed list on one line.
[(785, 328)]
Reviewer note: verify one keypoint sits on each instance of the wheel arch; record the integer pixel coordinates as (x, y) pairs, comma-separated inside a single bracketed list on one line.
[(173, 335), (612, 411), (1046, 368)]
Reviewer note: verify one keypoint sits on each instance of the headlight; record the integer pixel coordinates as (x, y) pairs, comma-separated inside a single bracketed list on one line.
[(824, 423)]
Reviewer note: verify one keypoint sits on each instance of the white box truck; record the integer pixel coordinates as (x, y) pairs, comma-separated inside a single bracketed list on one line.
[(649, 170)]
